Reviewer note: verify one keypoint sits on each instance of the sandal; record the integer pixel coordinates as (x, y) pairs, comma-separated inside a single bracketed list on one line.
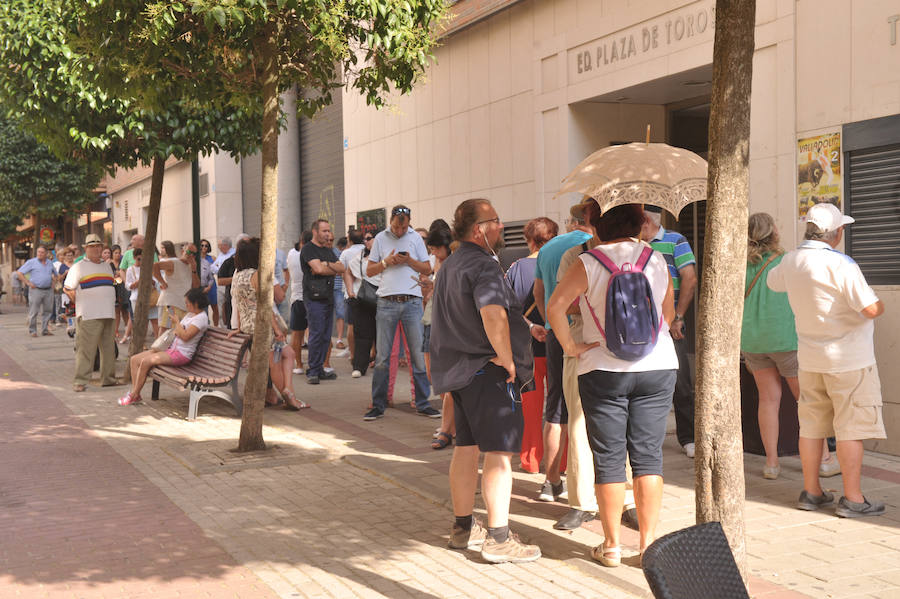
[(611, 557), (442, 440), (291, 402), (340, 345), (129, 399)]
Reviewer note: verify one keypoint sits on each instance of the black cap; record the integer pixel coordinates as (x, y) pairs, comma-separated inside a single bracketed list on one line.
[(649, 208)]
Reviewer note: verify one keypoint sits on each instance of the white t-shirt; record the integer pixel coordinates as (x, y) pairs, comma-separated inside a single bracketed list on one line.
[(95, 293), (293, 266), (663, 356), (827, 292), (351, 258), (187, 348)]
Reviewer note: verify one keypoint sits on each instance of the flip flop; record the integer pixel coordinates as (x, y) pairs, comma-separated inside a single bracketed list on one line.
[(441, 441)]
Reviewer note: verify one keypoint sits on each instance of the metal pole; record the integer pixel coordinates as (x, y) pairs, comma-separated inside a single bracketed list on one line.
[(195, 207)]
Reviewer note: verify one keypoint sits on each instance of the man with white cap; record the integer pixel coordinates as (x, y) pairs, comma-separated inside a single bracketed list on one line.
[(840, 392), (89, 283)]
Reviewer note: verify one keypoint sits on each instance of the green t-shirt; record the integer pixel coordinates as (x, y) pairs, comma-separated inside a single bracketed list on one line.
[(128, 259), (768, 324)]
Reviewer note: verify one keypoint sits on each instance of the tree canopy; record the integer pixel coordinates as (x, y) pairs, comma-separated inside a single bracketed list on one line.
[(33, 181)]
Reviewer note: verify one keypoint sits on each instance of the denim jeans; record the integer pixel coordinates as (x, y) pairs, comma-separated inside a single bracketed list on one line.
[(389, 314), (320, 316)]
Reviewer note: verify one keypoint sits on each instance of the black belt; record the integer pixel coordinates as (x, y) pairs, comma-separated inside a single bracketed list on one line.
[(42, 288), (398, 298)]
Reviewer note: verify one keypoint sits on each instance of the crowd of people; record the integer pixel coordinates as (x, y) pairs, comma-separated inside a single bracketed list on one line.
[(571, 359)]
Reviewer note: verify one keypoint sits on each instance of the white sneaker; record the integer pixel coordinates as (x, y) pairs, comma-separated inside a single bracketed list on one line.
[(356, 374), (328, 369), (341, 353), (298, 371), (689, 450)]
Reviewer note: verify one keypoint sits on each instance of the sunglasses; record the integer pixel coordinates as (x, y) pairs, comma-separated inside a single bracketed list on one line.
[(369, 238), (205, 245), (397, 211)]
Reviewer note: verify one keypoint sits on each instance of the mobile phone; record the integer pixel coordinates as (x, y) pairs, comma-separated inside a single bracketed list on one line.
[(403, 253)]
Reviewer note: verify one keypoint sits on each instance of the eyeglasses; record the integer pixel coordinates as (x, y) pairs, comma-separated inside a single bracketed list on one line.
[(496, 219)]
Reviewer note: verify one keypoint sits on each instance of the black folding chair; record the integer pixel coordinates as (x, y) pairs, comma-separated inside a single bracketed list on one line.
[(693, 563)]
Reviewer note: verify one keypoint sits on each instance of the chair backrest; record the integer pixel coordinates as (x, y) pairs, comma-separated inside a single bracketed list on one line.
[(693, 563), (220, 353)]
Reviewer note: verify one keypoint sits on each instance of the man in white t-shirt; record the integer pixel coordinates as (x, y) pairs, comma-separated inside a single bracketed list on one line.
[(840, 392), (90, 284), (298, 322)]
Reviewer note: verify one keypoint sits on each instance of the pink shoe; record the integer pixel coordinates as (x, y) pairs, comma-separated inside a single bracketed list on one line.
[(128, 399)]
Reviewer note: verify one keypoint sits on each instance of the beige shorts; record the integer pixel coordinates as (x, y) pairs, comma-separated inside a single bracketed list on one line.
[(164, 320), (846, 405), (784, 361)]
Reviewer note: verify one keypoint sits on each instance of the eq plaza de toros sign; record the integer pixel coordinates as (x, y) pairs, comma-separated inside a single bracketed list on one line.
[(662, 35)]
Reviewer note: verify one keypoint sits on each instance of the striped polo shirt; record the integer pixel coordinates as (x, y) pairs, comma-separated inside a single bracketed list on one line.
[(677, 251)]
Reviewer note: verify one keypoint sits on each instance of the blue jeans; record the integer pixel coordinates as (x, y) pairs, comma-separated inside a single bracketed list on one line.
[(389, 314), (320, 316)]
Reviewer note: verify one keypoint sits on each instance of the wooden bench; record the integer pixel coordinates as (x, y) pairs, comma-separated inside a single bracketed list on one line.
[(216, 363)]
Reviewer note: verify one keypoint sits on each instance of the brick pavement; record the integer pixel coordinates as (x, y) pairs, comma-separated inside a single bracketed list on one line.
[(343, 508)]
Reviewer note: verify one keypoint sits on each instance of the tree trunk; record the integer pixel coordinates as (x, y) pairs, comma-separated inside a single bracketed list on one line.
[(142, 309), (719, 458), (36, 223), (251, 438)]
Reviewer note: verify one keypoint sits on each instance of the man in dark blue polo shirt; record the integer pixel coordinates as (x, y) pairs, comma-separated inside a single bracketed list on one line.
[(481, 354), (40, 295)]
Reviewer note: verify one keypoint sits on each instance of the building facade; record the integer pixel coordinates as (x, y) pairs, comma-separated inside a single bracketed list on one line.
[(522, 91)]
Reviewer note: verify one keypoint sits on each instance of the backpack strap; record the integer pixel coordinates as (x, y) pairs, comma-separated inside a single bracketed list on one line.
[(643, 259), (603, 259)]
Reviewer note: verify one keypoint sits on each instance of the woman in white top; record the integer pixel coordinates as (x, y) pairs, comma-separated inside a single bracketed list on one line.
[(132, 281), (626, 402), (175, 276), (187, 336)]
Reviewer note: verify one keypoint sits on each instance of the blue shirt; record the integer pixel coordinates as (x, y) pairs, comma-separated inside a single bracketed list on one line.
[(398, 279), (41, 274), (280, 266), (550, 256), (338, 279)]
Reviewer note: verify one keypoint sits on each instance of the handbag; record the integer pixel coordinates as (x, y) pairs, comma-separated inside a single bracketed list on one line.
[(368, 293), (163, 342)]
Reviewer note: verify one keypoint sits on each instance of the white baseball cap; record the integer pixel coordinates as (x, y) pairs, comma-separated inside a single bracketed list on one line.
[(827, 217)]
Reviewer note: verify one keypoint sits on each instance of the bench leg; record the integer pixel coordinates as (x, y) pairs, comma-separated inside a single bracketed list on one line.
[(154, 395), (196, 394), (236, 400), (194, 404)]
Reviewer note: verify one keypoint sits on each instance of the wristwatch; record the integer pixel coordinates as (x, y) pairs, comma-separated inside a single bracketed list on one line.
[(678, 317)]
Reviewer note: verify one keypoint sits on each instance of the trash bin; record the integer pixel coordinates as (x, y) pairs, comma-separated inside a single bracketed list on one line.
[(788, 426)]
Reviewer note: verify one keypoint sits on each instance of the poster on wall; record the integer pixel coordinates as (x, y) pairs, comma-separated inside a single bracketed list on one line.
[(371, 221), (819, 171)]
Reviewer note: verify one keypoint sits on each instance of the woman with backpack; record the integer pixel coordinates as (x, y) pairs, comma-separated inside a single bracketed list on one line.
[(626, 366)]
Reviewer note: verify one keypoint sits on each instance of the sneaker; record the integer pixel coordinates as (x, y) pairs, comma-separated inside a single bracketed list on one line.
[(373, 414), (312, 380), (341, 353), (829, 468), (430, 412), (511, 550), (688, 450), (298, 371), (771, 472), (573, 519), (328, 375), (327, 369), (355, 374), (467, 539), (852, 509), (811, 503), (551, 492)]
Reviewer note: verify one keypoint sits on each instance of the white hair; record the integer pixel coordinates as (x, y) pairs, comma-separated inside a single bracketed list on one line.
[(654, 217)]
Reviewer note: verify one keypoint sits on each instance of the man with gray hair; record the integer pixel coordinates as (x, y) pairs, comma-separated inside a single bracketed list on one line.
[(840, 392)]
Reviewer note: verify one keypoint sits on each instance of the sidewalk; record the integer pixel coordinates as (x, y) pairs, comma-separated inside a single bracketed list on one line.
[(102, 500)]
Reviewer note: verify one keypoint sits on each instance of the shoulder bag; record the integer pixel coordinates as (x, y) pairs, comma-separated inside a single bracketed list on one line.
[(368, 293), (761, 271)]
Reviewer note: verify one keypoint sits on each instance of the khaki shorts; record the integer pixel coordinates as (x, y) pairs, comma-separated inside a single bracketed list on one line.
[(784, 361), (844, 404), (164, 320)]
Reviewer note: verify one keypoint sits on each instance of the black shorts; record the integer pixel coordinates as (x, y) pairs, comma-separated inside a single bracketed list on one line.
[(555, 410), (488, 413), (298, 316)]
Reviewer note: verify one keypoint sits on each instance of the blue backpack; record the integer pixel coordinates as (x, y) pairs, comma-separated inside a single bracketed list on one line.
[(632, 324)]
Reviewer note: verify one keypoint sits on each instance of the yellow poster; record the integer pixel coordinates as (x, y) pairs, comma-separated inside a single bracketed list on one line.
[(819, 171)]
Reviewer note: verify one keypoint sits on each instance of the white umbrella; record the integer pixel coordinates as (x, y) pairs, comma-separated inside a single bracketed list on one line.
[(640, 173)]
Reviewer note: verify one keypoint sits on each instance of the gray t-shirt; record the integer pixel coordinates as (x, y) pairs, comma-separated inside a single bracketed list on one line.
[(471, 279)]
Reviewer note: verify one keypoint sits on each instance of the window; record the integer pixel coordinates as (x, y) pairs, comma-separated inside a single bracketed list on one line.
[(872, 191), (204, 185)]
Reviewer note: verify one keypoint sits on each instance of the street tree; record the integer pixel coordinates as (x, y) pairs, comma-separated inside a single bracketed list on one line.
[(719, 459), (54, 92), (244, 54), (35, 182)]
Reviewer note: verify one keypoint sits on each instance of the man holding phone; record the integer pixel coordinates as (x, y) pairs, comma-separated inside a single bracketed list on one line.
[(399, 254)]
